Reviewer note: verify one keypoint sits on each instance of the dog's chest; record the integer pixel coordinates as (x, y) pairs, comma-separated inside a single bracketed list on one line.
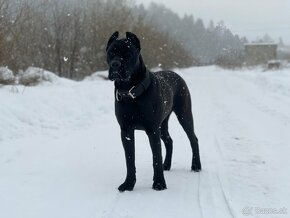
[(139, 115), (150, 109)]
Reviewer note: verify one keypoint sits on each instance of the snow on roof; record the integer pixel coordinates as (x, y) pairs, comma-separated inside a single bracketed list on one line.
[(260, 43)]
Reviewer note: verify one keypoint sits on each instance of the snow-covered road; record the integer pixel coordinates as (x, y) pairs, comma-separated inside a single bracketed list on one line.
[(61, 154)]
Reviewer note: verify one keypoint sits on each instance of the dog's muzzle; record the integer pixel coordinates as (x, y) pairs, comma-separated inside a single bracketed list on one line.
[(114, 76), (115, 64)]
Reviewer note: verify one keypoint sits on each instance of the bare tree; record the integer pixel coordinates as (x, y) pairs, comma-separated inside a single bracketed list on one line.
[(70, 38)]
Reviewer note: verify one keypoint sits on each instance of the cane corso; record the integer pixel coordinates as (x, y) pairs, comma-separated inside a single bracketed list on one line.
[(144, 101)]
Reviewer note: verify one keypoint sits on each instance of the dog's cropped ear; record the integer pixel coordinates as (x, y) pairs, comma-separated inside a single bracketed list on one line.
[(112, 39), (134, 39)]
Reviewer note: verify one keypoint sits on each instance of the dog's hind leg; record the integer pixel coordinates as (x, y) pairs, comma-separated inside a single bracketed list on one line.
[(184, 116), (168, 144)]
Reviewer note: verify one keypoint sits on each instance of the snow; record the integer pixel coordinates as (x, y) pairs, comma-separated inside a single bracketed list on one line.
[(61, 153), (101, 75), (34, 76), (260, 43), (6, 75)]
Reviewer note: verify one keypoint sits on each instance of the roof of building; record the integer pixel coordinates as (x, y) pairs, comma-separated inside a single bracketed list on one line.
[(260, 43)]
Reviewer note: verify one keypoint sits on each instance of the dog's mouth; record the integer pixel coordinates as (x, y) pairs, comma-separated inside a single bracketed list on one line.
[(116, 76)]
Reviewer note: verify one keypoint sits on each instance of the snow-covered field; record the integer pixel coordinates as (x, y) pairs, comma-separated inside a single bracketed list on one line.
[(61, 154)]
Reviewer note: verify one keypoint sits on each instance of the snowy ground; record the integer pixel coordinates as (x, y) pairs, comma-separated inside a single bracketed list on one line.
[(61, 155)]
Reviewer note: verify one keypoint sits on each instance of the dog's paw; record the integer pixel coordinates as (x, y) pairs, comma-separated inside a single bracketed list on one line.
[(159, 186), (166, 166), (127, 186), (196, 167)]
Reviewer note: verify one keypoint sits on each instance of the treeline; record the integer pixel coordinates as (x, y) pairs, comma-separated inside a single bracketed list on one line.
[(206, 42), (69, 37)]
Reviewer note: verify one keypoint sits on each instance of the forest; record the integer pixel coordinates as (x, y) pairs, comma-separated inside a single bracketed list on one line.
[(69, 37)]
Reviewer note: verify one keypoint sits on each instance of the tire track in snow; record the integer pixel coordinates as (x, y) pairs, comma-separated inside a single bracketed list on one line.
[(212, 198), (230, 124), (191, 193), (220, 158), (225, 197), (198, 197)]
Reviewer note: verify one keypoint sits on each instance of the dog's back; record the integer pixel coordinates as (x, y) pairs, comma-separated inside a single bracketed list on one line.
[(173, 89)]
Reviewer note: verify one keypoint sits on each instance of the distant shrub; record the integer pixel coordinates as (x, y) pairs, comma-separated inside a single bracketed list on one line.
[(33, 76), (231, 59), (6, 76)]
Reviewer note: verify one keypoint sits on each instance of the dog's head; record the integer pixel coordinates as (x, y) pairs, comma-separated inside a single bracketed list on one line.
[(122, 56)]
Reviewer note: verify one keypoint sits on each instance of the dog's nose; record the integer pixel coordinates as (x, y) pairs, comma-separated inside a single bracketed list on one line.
[(115, 64)]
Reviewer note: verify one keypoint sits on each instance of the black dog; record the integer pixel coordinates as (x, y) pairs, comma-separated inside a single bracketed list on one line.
[(144, 101)]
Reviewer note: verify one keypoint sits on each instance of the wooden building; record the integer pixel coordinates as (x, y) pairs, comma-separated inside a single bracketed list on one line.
[(260, 53)]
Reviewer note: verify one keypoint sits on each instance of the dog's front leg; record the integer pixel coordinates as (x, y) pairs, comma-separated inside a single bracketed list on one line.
[(155, 143), (129, 148)]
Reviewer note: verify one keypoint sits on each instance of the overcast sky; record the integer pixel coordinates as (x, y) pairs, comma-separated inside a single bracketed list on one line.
[(250, 18)]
